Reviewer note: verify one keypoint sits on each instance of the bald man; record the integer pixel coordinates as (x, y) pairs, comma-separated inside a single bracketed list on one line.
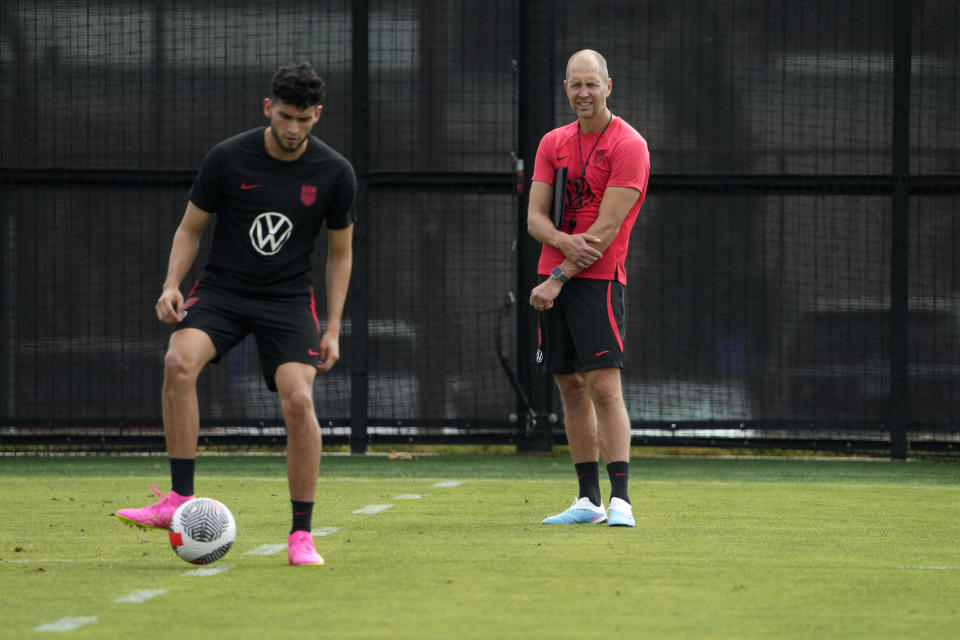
[(580, 298)]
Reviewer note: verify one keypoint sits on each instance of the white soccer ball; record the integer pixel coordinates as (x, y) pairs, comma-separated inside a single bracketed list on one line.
[(202, 530)]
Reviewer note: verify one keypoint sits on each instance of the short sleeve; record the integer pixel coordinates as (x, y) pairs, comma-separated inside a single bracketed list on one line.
[(341, 213), (544, 167), (631, 164), (206, 191)]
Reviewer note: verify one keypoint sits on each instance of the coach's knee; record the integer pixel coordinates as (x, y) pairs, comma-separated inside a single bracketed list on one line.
[(606, 392), (573, 389), (571, 383)]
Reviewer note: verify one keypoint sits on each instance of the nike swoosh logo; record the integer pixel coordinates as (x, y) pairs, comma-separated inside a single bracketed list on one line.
[(562, 157), (245, 186), (311, 352), (600, 353)]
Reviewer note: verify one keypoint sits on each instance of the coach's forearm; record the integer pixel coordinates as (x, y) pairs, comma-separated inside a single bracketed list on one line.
[(541, 228)]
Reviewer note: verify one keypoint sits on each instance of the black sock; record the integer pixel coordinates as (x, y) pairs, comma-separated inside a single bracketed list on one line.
[(619, 473), (589, 476), (302, 513), (181, 475)]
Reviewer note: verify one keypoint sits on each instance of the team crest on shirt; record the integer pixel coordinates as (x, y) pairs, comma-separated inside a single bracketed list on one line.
[(308, 194), (578, 194), (599, 155)]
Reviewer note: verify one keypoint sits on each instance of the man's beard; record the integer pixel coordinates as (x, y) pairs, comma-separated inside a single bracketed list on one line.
[(283, 143)]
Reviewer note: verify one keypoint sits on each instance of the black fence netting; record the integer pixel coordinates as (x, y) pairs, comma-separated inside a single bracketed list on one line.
[(793, 275)]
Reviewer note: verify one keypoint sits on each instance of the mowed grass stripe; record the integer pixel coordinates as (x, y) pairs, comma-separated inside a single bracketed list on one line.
[(458, 468)]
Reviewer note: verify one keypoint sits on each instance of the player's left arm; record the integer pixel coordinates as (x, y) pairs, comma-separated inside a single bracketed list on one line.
[(339, 267)]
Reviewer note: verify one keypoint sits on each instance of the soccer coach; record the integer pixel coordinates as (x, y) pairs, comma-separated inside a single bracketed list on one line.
[(583, 275)]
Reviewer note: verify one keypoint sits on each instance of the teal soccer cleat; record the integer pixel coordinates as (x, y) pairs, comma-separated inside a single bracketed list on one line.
[(581, 512)]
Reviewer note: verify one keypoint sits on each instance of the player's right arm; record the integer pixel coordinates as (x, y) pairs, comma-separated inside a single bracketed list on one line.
[(186, 244)]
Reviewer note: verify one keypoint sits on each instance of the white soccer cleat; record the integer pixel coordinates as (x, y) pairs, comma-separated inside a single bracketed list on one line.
[(581, 512), (621, 514)]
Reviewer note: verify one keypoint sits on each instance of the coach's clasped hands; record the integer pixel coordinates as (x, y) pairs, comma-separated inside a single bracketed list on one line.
[(580, 250)]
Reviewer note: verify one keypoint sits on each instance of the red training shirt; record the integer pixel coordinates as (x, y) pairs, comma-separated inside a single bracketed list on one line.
[(619, 158)]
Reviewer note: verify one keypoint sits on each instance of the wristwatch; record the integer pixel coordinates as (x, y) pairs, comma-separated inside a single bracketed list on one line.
[(559, 275)]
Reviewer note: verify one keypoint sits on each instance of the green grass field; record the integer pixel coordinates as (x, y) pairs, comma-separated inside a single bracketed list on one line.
[(724, 548)]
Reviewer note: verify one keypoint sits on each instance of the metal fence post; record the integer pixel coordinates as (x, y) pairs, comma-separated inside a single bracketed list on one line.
[(900, 230), (359, 379), (537, 78)]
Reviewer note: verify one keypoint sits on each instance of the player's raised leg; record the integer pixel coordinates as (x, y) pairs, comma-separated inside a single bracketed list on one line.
[(189, 351), (304, 445)]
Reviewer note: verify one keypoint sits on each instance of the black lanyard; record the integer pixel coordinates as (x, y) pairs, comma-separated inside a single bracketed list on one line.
[(580, 182), (583, 167)]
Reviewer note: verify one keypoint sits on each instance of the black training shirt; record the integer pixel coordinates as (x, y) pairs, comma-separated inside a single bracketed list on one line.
[(269, 211)]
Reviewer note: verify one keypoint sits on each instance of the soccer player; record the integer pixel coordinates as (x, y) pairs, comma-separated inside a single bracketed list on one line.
[(272, 189), (583, 275)]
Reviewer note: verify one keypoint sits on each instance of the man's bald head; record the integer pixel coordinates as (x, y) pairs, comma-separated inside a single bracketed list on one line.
[(588, 57)]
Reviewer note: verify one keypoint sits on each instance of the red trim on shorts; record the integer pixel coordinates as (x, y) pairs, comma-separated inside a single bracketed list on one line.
[(313, 310), (613, 320)]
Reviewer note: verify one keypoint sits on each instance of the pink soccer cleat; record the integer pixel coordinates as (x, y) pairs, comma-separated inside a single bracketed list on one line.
[(300, 549), (157, 515)]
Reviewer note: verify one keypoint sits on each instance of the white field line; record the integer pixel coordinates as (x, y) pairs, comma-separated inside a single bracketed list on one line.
[(265, 550), (270, 549), (141, 595), (208, 571), (448, 484), (372, 509), (927, 568), (410, 496), (325, 531), (66, 624)]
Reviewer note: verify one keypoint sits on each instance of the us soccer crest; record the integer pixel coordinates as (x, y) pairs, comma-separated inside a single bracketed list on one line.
[(308, 194)]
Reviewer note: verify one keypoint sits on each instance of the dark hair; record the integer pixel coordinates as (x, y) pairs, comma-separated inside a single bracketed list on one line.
[(299, 85)]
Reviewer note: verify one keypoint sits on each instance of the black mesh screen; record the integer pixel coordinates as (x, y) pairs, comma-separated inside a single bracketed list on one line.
[(763, 267)]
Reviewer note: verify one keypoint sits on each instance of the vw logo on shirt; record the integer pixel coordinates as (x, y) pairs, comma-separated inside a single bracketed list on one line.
[(269, 232)]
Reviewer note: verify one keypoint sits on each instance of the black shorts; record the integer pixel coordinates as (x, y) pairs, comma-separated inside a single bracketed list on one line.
[(286, 329), (584, 329)]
